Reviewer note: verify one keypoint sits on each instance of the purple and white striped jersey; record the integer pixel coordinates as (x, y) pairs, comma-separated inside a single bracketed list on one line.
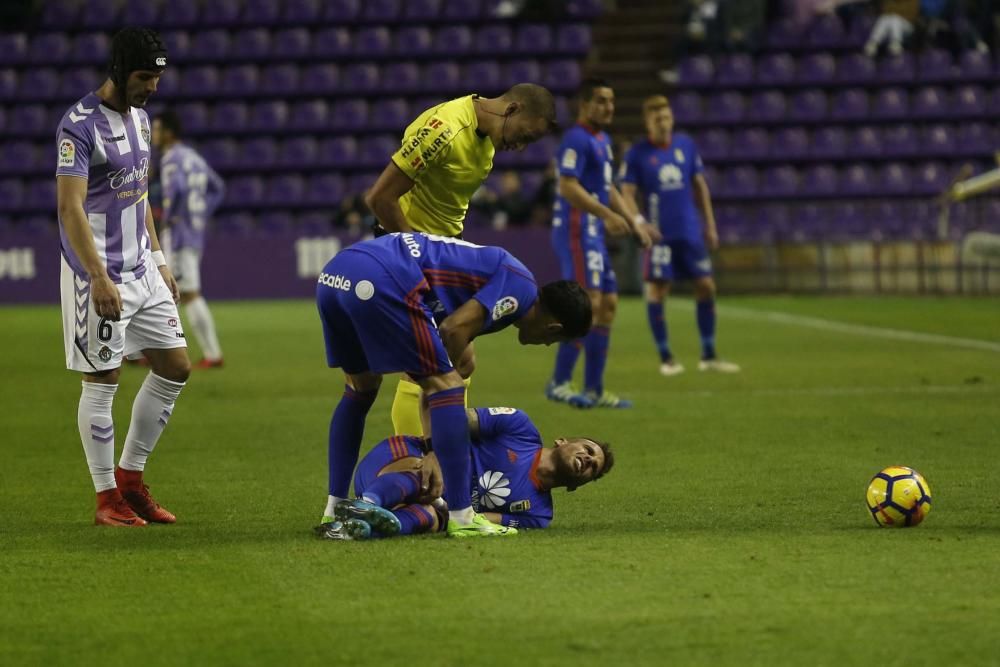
[(191, 193), (110, 150)]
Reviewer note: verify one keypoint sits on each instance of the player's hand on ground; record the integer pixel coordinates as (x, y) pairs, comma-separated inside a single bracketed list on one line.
[(712, 239), (168, 278), (431, 479), (107, 300)]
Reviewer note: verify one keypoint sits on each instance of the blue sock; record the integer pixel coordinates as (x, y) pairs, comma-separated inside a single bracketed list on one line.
[(450, 435), (347, 426), (394, 488), (706, 328), (565, 361), (658, 325), (414, 519), (596, 347)]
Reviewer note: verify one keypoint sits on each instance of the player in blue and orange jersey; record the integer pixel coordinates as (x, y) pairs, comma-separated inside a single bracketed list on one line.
[(666, 169), (412, 303), (588, 206), (512, 479)]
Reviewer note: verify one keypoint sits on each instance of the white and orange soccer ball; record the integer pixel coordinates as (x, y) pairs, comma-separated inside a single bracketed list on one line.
[(898, 497)]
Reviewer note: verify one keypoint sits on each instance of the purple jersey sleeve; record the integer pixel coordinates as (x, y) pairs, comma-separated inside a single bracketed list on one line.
[(508, 295), (573, 154), (75, 145)]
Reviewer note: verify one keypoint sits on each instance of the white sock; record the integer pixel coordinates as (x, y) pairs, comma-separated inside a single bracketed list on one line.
[(150, 412), (97, 431), (462, 517), (203, 325), (331, 502)]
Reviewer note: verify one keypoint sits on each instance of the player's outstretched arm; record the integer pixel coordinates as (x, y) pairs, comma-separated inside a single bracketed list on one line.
[(703, 199), (383, 198), (578, 197)]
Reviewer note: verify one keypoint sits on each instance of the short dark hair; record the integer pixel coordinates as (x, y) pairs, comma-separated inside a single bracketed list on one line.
[(570, 305), (587, 87), (536, 100), (169, 120)]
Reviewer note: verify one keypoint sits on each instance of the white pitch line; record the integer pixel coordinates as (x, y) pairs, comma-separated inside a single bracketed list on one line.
[(857, 329), (844, 391)]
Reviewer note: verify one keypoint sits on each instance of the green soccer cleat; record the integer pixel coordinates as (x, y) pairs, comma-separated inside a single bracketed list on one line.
[(609, 400), (480, 527), (381, 520), (352, 529)]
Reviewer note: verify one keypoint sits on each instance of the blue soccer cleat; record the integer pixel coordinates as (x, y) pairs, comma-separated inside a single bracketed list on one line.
[(380, 519), (567, 393), (352, 529)]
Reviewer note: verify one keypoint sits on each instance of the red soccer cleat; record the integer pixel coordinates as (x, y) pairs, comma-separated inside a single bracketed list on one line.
[(136, 495), (112, 510), (209, 363)]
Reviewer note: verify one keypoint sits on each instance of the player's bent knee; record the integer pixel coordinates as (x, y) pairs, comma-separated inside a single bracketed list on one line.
[(364, 382), (103, 377)]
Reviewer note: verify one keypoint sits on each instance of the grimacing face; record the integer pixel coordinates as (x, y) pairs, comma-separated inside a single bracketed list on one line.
[(599, 110), (660, 123), (141, 84), (579, 459)]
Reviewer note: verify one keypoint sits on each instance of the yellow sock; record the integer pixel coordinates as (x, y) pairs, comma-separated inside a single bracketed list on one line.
[(406, 407)]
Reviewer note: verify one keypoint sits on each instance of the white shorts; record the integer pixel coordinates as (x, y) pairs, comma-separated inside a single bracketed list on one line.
[(149, 320), (185, 264)]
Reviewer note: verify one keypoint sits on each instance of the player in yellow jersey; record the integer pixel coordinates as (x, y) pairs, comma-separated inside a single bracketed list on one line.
[(445, 156)]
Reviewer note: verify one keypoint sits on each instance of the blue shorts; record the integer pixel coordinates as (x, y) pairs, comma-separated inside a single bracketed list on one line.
[(376, 321), (676, 260), (386, 452), (583, 258)]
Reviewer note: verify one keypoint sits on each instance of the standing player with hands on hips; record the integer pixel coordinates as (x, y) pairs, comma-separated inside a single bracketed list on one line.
[(118, 296)]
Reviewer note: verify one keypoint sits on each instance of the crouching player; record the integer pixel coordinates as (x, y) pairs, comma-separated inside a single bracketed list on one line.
[(513, 476)]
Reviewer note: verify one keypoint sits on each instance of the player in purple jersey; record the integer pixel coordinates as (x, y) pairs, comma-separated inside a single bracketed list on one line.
[(118, 296), (513, 476), (667, 170), (410, 302), (589, 205), (192, 191)]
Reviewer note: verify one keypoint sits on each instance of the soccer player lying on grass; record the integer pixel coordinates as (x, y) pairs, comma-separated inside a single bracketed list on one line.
[(512, 478)]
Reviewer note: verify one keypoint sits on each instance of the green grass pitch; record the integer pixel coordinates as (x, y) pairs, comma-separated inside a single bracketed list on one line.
[(732, 531)]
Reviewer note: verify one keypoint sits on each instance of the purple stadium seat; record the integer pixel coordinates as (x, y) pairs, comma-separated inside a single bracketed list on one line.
[(790, 143), (309, 115), (847, 220), (250, 44), (372, 42), (412, 41), (222, 13), (269, 116), (856, 69), (41, 84), (101, 14), (856, 180), (533, 38), (775, 221), (735, 70), (417, 11), (141, 13), (687, 107), (60, 14), (493, 39), (29, 120), (50, 48), (390, 114), (261, 12), (890, 103), (301, 12), (741, 182), (829, 142), (239, 80), (338, 151), (462, 11), (865, 142), (766, 106), (401, 77), (90, 49), (931, 178), (973, 138), (11, 194), (320, 79), (380, 11), (291, 44), (850, 104), (182, 14), (697, 71), (714, 144), (752, 143), (443, 77), (341, 11), (780, 181), (325, 190), (900, 140), (281, 189), (229, 117), (538, 153), (808, 105), (776, 69), (178, 45), (360, 78), (358, 182), (279, 79), (200, 81), (935, 65), (969, 101), (930, 102), (168, 87), (484, 76), (897, 69), (813, 219), (975, 65), (585, 9), (562, 76), (523, 71), (725, 107), (246, 191), (816, 69), (376, 151), (8, 85), (453, 40), (221, 153), (194, 117), (784, 34), (573, 39), (894, 178), (826, 32), (260, 152), (13, 48), (298, 152), (19, 157), (332, 43), (79, 79), (349, 115), (820, 180), (40, 195), (210, 45)]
